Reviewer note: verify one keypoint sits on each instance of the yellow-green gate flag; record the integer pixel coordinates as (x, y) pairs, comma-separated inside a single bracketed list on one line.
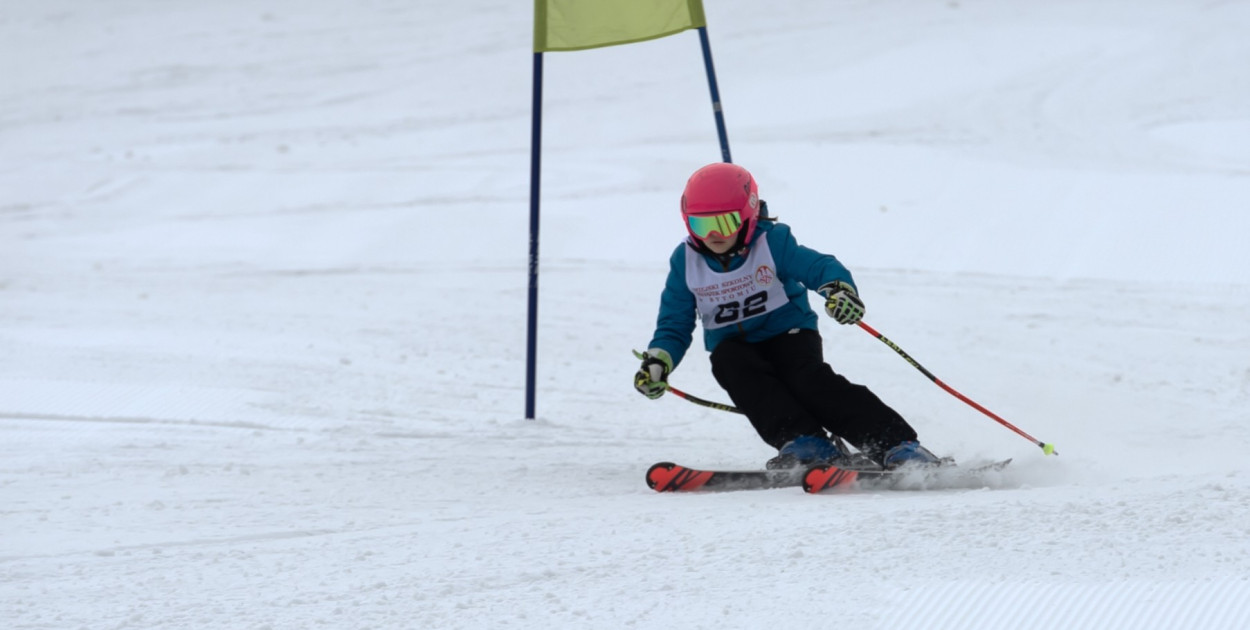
[(580, 24)]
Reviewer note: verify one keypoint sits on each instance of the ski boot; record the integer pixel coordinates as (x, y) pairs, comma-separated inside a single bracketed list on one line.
[(805, 450), (909, 453)]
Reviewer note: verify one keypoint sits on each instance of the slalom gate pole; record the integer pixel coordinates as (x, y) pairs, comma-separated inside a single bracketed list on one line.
[(1048, 449), (717, 112), (536, 155)]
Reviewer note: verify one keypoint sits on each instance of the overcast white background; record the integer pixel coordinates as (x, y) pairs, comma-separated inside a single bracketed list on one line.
[(262, 315)]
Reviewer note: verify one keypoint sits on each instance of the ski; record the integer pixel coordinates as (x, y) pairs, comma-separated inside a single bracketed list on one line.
[(823, 477), (670, 477), (861, 474)]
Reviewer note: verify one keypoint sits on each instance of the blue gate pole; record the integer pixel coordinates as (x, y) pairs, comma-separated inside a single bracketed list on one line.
[(531, 344), (711, 84)]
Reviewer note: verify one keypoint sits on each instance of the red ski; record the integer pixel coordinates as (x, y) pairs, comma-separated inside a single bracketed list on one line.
[(670, 477), (820, 478), (823, 477)]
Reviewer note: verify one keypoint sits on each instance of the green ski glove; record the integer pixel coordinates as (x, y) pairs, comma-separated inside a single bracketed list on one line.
[(652, 378), (841, 302)]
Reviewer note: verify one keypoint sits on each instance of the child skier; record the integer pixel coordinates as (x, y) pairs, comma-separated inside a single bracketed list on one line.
[(746, 279)]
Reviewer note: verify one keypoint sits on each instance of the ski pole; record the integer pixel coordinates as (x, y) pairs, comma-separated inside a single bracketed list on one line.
[(1048, 449), (723, 407), (699, 401)]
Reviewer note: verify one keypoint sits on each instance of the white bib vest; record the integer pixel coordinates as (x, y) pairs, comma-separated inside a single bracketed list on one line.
[(725, 299)]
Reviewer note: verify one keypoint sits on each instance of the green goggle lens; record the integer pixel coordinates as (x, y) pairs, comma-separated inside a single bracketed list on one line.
[(726, 224)]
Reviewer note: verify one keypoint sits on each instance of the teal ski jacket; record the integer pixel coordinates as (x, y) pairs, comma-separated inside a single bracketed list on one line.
[(800, 269)]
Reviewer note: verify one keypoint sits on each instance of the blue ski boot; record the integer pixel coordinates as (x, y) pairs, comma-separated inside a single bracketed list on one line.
[(909, 453), (804, 450)]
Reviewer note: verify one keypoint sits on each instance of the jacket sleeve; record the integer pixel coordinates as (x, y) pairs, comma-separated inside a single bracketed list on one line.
[(674, 327), (804, 264)]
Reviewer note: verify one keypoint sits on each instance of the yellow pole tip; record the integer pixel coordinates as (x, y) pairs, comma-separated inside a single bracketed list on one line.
[(1049, 449)]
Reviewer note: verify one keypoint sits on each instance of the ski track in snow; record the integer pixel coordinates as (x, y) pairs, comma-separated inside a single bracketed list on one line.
[(262, 297)]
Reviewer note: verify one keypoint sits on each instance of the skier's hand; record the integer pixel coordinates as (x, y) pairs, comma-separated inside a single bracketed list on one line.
[(841, 302), (652, 378)]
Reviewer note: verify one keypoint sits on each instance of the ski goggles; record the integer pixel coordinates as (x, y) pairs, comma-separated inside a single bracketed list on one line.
[(726, 224)]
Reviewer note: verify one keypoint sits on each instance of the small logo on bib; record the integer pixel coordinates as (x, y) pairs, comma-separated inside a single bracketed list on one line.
[(765, 275)]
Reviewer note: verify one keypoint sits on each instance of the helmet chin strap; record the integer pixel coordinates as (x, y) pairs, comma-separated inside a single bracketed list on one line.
[(740, 245)]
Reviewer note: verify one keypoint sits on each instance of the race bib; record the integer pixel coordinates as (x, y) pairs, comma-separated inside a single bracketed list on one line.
[(728, 298)]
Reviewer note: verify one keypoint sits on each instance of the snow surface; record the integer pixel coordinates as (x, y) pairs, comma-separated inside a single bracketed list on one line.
[(262, 315)]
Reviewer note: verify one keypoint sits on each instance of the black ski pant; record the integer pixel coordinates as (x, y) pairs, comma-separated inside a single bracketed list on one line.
[(786, 390)]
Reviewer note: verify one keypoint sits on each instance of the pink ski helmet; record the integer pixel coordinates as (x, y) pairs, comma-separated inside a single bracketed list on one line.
[(722, 198)]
